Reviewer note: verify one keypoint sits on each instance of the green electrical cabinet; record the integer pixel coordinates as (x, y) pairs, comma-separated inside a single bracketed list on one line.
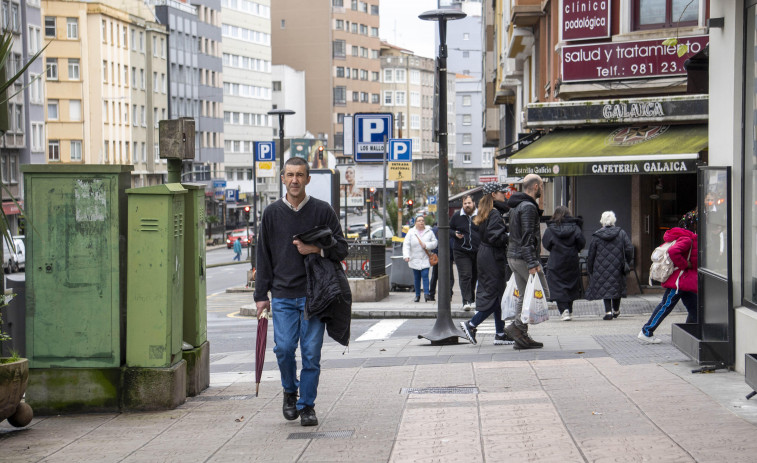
[(195, 284), (75, 274), (155, 266)]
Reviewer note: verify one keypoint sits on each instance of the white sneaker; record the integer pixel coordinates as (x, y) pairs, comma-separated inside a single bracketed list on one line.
[(648, 339), (466, 307), (566, 317), (473, 305)]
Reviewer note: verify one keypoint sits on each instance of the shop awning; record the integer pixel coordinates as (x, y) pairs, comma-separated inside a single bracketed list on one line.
[(666, 149)]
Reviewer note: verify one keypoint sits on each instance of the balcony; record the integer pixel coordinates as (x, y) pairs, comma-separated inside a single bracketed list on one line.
[(525, 13)]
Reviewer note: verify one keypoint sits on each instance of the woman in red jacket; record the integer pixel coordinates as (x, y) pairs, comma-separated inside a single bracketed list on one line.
[(682, 283)]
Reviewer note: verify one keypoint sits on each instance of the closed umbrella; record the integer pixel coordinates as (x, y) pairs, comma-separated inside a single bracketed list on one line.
[(260, 342)]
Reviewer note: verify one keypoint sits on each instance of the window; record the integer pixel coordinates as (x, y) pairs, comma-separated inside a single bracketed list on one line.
[(340, 71), (144, 152), (374, 10), (340, 95), (154, 46), (339, 3), (400, 75), (375, 98), (466, 36), (655, 14), (339, 24), (340, 49), (53, 150), (134, 152), (415, 99), (50, 26), (387, 98), (52, 110), (355, 96), (74, 110), (466, 119), (363, 74), (374, 54), (354, 28), (466, 158), (73, 69), (415, 121), (363, 29), (415, 77), (134, 77), (399, 98), (388, 75), (466, 54), (467, 139), (106, 145), (35, 39), (466, 100), (355, 50), (354, 73), (72, 28), (15, 18), (134, 113), (52, 68), (276, 84), (38, 136), (76, 150), (375, 76)]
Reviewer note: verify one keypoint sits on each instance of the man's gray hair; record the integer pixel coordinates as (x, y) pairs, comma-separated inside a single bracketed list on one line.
[(297, 161), (608, 219)]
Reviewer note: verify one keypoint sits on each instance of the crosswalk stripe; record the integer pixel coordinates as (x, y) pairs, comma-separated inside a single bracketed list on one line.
[(381, 330)]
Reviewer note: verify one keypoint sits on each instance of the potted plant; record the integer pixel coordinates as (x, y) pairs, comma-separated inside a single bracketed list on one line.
[(14, 376), (14, 371)]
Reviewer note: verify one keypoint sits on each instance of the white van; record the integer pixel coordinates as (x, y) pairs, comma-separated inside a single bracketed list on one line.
[(14, 260)]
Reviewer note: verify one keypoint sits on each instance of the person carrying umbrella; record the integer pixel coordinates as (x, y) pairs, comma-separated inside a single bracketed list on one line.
[(281, 271)]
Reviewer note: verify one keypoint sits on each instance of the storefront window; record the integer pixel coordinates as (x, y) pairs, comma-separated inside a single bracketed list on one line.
[(656, 14), (750, 161)]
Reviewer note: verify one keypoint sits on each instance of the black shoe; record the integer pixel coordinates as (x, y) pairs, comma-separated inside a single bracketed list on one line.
[(427, 298), (514, 333), (608, 316), (430, 298), (307, 417), (469, 331), (615, 313), (503, 340), (417, 298), (290, 406), (516, 346)]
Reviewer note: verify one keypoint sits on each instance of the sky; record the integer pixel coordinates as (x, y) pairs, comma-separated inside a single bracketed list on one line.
[(401, 26)]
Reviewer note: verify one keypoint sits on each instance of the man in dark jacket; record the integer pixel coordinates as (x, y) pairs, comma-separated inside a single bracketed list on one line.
[(523, 252), (281, 270), (465, 248)]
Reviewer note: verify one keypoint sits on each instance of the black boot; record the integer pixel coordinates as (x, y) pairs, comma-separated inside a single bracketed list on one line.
[(427, 298), (290, 406), (417, 298)]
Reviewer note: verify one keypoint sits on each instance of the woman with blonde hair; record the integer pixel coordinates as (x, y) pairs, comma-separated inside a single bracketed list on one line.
[(610, 253), (419, 240), (491, 262)]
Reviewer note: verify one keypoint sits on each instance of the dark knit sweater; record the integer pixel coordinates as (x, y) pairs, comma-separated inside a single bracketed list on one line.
[(280, 267)]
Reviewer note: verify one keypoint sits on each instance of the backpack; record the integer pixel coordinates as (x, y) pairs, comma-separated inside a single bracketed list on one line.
[(662, 266)]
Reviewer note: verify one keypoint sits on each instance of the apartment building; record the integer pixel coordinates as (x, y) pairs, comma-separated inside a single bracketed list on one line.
[(407, 91), (247, 92), (103, 88), (337, 44), (22, 140)]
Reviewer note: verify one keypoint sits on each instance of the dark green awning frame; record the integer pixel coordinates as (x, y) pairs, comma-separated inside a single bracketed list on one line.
[(667, 149)]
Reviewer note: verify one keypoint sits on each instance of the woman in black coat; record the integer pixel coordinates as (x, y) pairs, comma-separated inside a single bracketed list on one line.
[(491, 261), (563, 239), (609, 251)]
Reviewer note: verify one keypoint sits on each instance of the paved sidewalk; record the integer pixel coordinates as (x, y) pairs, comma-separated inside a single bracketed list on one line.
[(593, 393)]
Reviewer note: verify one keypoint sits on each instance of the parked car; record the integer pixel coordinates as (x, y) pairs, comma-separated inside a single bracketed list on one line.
[(236, 234), (378, 234), (14, 259)]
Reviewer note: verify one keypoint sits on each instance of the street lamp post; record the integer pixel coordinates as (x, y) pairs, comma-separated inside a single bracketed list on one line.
[(444, 330), (281, 113)]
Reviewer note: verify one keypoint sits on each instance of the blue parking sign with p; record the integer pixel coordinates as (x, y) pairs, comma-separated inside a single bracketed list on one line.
[(265, 151), (371, 129), (400, 149)]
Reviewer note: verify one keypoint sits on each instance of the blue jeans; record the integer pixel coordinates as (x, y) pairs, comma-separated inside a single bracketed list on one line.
[(237, 255), (496, 309), (418, 275), (669, 300), (289, 329)]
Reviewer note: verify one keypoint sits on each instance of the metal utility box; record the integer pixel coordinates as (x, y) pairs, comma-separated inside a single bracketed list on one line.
[(195, 284), (177, 138), (155, 266), (75, 273)]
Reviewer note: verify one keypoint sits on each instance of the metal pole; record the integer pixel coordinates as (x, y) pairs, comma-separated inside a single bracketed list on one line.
[(281, 151), (254, 205), (383, 193), (444, 330)]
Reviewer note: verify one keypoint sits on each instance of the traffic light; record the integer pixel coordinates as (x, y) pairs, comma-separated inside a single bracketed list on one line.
[(409, 204), (320, 153), (247, 212)]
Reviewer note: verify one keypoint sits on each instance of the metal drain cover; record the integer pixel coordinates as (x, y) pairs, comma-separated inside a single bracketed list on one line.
[(321, 435), (439, 390)]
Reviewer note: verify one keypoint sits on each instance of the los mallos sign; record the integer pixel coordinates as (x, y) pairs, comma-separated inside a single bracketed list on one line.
[(585, 19), (626, 60)]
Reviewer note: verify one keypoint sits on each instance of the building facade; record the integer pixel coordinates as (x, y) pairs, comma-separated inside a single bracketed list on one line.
[(246, 29), (104, 88), (337, 44)]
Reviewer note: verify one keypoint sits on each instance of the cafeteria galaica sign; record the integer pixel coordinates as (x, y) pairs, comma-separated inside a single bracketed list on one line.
[(605, 168)]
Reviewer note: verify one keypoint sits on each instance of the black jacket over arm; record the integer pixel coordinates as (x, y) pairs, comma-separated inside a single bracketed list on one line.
[(525, 234)]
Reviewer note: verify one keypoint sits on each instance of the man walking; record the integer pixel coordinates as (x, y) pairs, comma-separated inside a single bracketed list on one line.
[(523, 252), (281, 270), (238, 249), (465, 248)]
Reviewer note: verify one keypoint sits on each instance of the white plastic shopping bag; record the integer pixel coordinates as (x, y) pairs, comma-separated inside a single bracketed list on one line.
[(535, 309), (510, 299)]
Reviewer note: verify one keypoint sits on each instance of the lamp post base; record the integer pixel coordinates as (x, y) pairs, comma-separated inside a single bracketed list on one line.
[(443, 333)]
